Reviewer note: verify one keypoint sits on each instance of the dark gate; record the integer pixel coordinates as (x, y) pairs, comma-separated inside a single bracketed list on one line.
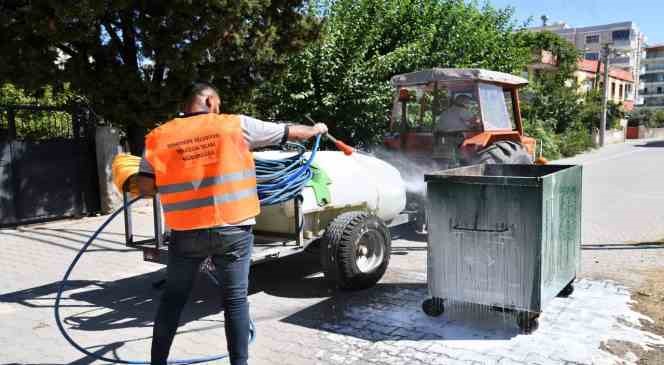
[(47, 163)]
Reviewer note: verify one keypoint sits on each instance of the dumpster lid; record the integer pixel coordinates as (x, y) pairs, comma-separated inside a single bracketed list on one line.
[(524, 175)]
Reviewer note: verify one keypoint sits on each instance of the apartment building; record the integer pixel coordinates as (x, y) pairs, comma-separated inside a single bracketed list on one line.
[(652, 77), (625, 38)]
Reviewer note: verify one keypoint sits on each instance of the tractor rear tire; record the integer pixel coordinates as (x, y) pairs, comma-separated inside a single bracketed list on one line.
[(355, 250), (504, 152)]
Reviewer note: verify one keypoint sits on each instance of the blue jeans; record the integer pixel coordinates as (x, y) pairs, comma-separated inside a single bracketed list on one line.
[(230, 249)]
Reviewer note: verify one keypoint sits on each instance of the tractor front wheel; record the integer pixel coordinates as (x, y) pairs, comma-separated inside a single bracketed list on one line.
[(504, 152)]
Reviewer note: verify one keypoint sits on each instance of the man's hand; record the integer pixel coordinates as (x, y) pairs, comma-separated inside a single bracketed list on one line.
[(321, 128), (146, 185)]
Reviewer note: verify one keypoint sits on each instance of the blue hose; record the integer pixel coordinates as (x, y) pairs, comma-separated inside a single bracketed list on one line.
[(278, 181), (63, 284), (282, 180)]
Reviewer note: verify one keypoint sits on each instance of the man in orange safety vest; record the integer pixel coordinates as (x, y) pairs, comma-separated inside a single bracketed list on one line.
[(201, 165)]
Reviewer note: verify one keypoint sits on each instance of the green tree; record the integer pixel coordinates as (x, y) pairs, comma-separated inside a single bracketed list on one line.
[(130, 59), (343, 78), (554, 111)]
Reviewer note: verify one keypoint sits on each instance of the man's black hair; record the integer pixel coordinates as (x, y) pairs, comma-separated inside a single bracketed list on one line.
[(195, 89)]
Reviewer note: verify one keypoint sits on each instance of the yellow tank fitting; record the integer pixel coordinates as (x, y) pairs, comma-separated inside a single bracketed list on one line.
[(124, 167)]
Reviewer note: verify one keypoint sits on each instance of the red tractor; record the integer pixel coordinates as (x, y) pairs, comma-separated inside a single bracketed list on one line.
[(445, 118)]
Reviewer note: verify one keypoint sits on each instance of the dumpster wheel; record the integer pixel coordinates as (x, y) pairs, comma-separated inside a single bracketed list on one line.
[(567, 290), (355, 250), (527, 321), (433, 307)]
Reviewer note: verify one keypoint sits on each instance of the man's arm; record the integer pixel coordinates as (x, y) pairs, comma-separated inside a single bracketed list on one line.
[(304, 132), (259, 134)]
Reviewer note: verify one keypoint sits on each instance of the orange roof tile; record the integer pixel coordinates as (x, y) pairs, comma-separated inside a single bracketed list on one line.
[(618, 73)]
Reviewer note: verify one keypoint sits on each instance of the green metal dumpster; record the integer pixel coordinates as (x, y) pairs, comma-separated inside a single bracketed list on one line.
[(504, 236)]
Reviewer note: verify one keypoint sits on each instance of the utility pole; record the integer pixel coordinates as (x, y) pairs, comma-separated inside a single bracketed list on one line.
[(605, 93)]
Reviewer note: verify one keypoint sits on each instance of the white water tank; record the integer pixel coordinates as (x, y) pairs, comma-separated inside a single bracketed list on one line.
[(356, 179)]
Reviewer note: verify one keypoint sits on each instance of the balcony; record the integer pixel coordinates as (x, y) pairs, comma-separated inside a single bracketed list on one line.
[(626, 60), (651, 71), (651, 93), (650, 60)]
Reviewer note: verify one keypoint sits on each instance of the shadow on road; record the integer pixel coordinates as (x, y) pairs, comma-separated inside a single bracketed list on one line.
[(407, 232), (131, 302), (652, 144), (624, 246)]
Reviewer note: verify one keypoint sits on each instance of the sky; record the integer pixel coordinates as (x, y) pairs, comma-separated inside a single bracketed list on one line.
[(647, 14)]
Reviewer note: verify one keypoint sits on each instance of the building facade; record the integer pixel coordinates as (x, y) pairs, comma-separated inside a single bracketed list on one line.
[(621, 82), (625, 38), (652, 77)]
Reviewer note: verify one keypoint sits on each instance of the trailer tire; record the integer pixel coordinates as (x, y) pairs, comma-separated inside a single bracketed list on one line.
[(433, 307), (355, 250), (504, 152)]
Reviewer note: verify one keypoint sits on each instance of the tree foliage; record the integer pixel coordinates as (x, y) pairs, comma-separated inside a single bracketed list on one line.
[(131, 59), (343, 78), (554, 112), (647, 117)]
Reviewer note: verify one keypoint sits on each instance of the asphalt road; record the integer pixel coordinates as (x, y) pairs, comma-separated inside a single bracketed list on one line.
[(623, 196)]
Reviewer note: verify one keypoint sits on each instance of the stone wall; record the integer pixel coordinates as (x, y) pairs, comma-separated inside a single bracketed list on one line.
[(611, 136), (645, 132)]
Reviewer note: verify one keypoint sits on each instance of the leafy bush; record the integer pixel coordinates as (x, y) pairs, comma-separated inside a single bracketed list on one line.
[(646, 117), (546, 138), (575, 140)]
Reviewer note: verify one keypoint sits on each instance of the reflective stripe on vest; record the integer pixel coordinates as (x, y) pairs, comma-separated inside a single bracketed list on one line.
[(205, 182), (212, 200), (204, 171)]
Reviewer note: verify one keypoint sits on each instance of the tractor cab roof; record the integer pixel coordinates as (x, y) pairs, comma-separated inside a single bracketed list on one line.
[(457, 74)]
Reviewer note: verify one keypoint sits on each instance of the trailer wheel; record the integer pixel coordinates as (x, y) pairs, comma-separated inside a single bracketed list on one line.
[(504, 152), (433, 307), (355, 250)]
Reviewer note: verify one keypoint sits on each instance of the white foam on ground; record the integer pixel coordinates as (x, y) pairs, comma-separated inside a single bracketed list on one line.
[(570, 330)]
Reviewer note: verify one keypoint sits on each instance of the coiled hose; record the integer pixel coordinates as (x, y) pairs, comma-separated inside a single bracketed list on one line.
[(282, 180), (278, 181)]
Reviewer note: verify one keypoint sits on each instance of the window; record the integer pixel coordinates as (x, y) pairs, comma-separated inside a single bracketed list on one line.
[(620, 93), (613, 90), (417, 109), (620, 35), (592, 56), (592, 38), (457, 109), (659, 90), (655, 53), (494, 108)]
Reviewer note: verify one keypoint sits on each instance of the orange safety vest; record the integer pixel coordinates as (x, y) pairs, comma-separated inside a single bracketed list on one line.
[(204, 171)]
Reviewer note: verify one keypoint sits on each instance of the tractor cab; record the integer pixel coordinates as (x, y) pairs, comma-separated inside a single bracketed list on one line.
[(457, 117)]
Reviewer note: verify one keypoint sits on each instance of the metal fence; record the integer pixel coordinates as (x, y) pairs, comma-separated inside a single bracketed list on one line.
[(47, 163)]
